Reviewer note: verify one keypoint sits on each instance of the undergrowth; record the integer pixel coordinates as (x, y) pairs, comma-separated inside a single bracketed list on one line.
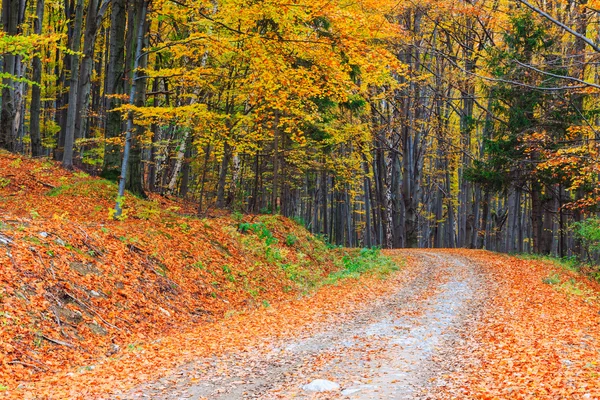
[(310, 254), (564, 279), (357, 262), (566, 263)]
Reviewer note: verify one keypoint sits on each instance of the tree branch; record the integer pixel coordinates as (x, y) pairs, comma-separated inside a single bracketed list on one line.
[(557, 76), (556, 22)]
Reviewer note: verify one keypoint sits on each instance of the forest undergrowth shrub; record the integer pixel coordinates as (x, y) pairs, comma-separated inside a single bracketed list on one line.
[(366, 260), (588, 232), (570, 263), (291, 239)]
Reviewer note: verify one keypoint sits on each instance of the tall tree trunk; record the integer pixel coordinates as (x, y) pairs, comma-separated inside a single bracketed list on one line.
[(203, 178), (274, 191), (389, 234), (182, 148), (12, 17), (93, 20), (132, 99), (367, 195), (114, 85), (227, 153), (537, 222), (135, 170), (36, 90), (69, 133)]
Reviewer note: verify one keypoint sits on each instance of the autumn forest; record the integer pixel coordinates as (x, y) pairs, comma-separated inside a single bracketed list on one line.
[(373, 123)]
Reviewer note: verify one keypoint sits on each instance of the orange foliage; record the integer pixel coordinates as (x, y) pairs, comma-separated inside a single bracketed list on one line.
[(75, 284), (536, 338)]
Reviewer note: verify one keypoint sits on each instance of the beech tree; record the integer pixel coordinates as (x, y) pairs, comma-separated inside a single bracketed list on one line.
[(437, 124)]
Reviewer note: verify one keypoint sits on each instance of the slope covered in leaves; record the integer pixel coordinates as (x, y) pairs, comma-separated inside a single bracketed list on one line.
[(77, 286)]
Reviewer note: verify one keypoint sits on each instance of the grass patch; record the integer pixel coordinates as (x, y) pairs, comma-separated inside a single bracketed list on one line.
[(363, 261), (554, 279), (564, 282), (565, 263), (89, 188)]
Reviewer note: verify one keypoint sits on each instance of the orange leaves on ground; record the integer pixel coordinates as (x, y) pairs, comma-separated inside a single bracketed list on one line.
[(89, 305), (539, 335)]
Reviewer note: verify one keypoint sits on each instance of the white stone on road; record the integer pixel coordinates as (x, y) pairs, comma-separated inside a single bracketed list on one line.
[(321, 385)]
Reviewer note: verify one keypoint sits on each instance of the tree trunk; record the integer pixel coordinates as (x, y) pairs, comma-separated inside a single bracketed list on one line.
[(36, 91), (93, 20), (12, 17), (114, 86), (132, 98), (69, 133), (227, 153), (135, 178)]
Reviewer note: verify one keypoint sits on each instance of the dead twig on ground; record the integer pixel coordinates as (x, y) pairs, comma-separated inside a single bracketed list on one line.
[(91, 310)]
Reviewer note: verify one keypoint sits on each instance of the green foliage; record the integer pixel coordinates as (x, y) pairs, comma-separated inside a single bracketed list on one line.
[(4, 182), (148, 211), (554, 279), (272, 254), (237, 216), (199, 265), (85, 188), (185, 228), (291, 239), (521, 110), (16, 163), (112, 212), (566, 263), (363, 261), (588, 231), (260, 229), (228, 273), (299, 221)]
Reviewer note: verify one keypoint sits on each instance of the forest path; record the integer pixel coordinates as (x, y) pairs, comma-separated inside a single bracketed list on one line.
[(398, 348)]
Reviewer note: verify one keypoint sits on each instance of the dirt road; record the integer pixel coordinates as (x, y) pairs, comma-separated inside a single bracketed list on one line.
[(401, 347)]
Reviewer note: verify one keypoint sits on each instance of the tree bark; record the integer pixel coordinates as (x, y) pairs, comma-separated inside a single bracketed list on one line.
[(12, 17), (114, 85), (36, 91), (69, 133)]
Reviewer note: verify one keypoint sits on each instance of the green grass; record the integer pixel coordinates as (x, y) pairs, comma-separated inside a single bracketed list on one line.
[(359, 262), (554, 279), (89, 188), (566, 263)]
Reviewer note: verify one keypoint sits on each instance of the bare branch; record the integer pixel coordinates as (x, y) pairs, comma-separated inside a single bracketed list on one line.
[(556, 22), (557, 76)]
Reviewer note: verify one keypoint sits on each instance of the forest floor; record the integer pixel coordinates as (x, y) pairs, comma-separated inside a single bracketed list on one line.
[(163, 304), (459, 324)]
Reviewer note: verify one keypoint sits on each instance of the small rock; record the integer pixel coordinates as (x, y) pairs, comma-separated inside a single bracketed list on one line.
[(321, 385), (61, 242), (97, 329), (94, 293), (44, 234), (167, 313), (84, 269), (5, 239), (114, 349)]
